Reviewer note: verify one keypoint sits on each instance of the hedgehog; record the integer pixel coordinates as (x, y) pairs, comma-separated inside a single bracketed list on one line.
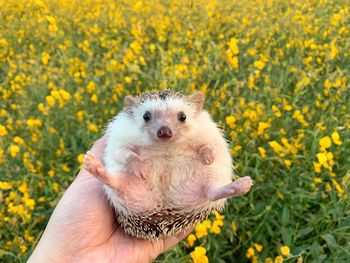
[(166, 165)]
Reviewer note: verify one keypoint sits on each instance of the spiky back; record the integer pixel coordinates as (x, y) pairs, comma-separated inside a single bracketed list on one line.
[(159, 95), (162, 222)]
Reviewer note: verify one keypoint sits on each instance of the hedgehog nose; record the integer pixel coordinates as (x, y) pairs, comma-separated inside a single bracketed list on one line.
[(164, 133)]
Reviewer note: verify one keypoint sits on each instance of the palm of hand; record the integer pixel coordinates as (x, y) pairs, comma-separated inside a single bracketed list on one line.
[(83, 228)]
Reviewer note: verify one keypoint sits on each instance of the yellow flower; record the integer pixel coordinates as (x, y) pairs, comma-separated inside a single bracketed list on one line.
[(230, 121), (55, 187), (65, 94), (215, 228), (5, 186), (278, 148), (23, 188), (50, 19), (18, 140), (45, 57), (128, 80), (50, 100), (152, 47), (276, 111), (14, 150), (90, 87), (232, 60), (322, 159), (258, 247), (262, 152), (34, 123), (317, 180), (218, 216), (51, 173), (80, 158), (285, 251), (202, 228), (336, 138), (94, 98), (23, 249), (287, 163), (262, 126), (338, 187), (198, 255), (80, 115), (278, 259), (3, 131), (325, 143), (268, 260), (300, 118), (30, 203), (236, 149), (65, 168), (327, 84), (252, 52), (92, 127), (329, 156), (251, 81), (317, 167), (190, 239), (328, 187), (259, 64), (233, 46), (305, 81), (250, 252)]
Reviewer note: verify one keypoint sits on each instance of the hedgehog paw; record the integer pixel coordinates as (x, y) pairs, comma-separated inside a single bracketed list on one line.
[(141, 171), (206, 155), (239, 187), (95, 166)]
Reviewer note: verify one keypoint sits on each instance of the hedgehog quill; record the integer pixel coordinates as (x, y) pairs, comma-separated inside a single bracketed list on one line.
[(166, 165)]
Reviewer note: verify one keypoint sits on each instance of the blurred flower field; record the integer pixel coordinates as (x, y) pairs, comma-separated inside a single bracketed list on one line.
[(277, 78)]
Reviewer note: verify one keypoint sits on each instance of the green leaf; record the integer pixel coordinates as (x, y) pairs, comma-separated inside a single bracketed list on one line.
[(305, 231), (287, 236), (285, 216), (316, 250), (331, 242)]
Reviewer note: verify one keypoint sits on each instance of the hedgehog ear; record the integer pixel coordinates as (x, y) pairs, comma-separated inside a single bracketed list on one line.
[(197, 99), (130, 100)]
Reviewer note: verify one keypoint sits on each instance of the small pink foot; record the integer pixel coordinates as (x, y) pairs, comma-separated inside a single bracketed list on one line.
[(96, 168), (138, 167), (206, 155), (141, 171), (239, 187)]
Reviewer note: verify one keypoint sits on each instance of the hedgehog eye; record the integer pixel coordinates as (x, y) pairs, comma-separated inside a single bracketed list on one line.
[(147, 116), (181, 116)]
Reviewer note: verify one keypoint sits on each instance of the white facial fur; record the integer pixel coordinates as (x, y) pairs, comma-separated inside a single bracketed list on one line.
[(165, 113)]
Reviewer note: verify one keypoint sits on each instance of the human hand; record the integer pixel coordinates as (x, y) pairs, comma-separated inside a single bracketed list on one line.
[(82, 228)]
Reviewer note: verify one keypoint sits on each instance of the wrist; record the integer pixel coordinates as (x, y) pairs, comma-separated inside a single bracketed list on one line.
[(46, 251)]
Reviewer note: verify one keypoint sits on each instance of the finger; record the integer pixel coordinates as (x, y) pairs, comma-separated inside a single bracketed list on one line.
[(169, 242)]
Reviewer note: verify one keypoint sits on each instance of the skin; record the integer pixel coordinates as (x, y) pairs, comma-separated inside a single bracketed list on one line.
[(82, 228)]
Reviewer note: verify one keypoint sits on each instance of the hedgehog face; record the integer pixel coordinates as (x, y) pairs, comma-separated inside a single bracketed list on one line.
[(167, 119)]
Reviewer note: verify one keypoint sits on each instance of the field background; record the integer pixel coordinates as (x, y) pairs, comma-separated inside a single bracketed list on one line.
[(276, 78)]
